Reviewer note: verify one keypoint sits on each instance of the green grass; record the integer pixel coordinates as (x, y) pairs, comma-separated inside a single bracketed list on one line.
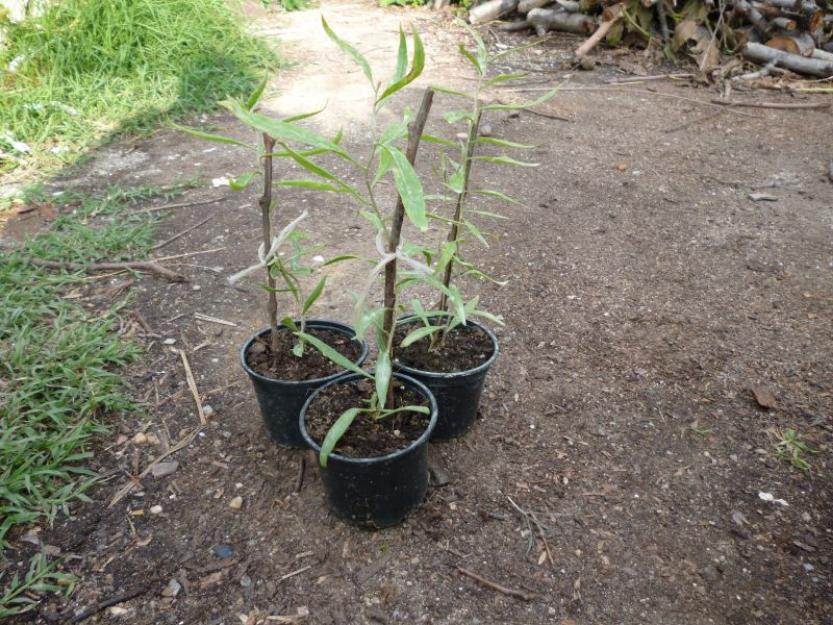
[(59, 365), (88, 69)]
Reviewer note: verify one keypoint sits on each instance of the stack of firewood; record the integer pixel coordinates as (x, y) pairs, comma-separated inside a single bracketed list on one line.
[(794, 35)]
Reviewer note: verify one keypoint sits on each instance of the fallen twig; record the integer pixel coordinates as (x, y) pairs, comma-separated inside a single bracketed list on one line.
[(630, 79), (540, 114), (299, 481), (529, 515), (103, 605), (136, 265), (187, 254), (511, 592), (294, 573), (192, 384), (180, 234), (202, 317), (144, 323), (155, 209), (818, 106), (695, 121), (611, 15)]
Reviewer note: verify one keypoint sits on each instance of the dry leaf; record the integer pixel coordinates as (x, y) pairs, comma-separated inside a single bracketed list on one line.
[(763, 396), (700, 42)]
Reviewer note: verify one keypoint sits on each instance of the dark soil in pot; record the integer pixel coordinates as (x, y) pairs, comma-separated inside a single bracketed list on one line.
[(454, 371), (367, 437), (311, 365), (465, 347), (283, 387)]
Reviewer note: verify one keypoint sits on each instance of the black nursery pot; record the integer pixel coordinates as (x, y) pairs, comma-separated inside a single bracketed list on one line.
[(376, 492), (281, 400), (457, 393)]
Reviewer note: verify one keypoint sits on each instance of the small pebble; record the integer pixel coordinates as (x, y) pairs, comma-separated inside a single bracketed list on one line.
[(161, 469), (157, 509), (245, 581), (172, 589), (207, 410), (140, 438), (196, 287), (236, 503), (223, 552), (169, 341)]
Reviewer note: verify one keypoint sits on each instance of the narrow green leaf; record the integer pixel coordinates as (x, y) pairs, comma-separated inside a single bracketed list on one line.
[(501, 78), (393, 411), (342, 258), (418, 334), (288, 322), (383, 374), (300, 116), (368, 319), (456, 181), (487, 315), (373, 218), (504, 143), (478, 41), (385, 163), (492, 193), (311, 184), (410, 189), (341, 425), (255, 97), (211, 137), (449, 91), (401, 57), (439, 140), (311, 167), (417, 65), (524, 105), (471, 58), (331, 354), (280, 130), (357, 56), (476, 232), (314, 295), (452, 117), (241, 182), (505, 160)]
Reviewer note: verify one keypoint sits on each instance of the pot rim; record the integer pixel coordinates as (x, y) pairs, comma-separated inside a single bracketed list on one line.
[(320, 323), (423, 438), (453, 374)]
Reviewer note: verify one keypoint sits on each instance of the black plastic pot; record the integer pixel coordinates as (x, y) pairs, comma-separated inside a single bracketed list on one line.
[(457, 393), (376, 492), (281, 400)]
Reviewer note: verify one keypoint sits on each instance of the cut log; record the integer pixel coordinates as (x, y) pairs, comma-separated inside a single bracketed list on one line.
[(544, 20), (491, 10), (610, 16), (569, 5), (753, 16), (525, 6), (822, 55), (795, 63), (512, 27)]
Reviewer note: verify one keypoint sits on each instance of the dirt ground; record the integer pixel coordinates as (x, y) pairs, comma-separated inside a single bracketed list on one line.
[(647, 293)]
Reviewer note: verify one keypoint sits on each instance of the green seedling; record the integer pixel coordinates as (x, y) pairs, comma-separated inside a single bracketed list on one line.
[(789, 445), (453, 309), (280, 138), (385, 158)]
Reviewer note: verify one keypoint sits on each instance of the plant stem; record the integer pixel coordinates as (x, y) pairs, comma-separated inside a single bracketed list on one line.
[(266, 221), (453, 233), (415, 129)]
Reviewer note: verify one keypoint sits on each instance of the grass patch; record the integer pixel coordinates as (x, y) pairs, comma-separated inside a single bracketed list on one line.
[(87, 69), (59, 367)]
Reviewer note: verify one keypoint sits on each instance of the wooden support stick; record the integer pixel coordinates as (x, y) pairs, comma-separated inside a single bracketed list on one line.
[(415, 129), (192, 385)]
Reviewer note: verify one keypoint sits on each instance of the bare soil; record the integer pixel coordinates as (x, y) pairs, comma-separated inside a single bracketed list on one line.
[(646, 294), (464, 348), (310, 366), (367, 437)]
